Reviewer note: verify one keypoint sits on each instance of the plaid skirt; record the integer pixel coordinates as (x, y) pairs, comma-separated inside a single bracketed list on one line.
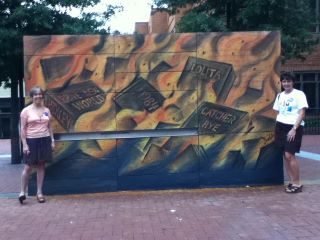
[(281, 141), (40, 151)]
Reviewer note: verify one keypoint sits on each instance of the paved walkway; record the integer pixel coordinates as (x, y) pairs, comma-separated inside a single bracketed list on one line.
[(213, 214)]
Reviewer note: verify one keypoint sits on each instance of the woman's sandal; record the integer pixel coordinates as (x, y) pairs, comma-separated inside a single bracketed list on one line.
[(41, 199), (21, 198), (294, 189), (288, 187)]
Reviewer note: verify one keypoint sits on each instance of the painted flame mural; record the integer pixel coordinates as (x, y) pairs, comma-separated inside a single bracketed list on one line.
[(221, 84)]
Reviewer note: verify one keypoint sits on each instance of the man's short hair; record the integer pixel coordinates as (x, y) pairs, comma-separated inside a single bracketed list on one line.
[(288, 76)]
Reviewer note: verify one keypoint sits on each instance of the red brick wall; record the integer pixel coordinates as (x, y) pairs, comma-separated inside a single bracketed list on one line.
[(142, 27), (311, 63), (158, 22)]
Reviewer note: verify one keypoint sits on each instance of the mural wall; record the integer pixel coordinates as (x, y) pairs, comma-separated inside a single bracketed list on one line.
[(220, 84)]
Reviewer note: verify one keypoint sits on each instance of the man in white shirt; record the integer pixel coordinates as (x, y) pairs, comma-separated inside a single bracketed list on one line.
[(291, 105)]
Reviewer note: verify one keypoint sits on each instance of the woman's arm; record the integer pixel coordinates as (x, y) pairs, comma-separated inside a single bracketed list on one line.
[(292, 132), (23, 126), (302, 113), (51, 132)]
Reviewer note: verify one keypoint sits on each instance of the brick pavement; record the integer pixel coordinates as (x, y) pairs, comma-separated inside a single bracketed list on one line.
[(235, 214), (213, 214)]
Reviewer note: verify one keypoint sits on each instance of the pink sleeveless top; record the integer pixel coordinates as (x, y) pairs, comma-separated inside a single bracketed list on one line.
[(36, 127)]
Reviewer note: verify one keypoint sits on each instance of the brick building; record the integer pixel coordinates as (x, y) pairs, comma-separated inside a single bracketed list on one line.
[(160, 21)]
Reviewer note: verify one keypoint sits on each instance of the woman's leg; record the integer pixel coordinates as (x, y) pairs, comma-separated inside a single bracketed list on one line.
[(25, 179), (293, 169), (286, 165), (40, 178)]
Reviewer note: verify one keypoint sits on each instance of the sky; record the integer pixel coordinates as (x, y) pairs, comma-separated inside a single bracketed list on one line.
[(134, 11)]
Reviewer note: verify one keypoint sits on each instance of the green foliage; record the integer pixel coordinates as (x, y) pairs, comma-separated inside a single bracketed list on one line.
[(294, 18), (200, 22), (41, 17)]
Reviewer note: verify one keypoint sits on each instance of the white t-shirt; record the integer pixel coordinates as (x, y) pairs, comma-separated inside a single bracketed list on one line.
[(288, 106)]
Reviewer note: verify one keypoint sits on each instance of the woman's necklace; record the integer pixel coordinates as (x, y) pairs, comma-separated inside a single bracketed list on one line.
[(38, 111)]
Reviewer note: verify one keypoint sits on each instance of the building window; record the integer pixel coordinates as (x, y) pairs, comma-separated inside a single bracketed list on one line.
[(318, 15), (309, 83), (315, 4)]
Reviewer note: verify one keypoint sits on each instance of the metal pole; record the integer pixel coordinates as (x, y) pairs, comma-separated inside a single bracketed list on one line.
[(15, 141)]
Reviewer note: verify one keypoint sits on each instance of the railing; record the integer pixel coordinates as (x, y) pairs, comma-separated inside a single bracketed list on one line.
[(5, 120), (312, 126), (312, 119)]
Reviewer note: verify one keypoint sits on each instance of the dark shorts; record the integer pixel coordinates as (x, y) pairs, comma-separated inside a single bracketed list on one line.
[(281, 133), (40, 151)]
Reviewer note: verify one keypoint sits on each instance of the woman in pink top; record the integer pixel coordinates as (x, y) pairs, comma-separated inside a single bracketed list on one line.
[(37, 140)]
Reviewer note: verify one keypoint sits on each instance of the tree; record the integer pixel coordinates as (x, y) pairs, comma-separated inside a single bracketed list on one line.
[(294, 18), (41, 17), (38, 17)]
